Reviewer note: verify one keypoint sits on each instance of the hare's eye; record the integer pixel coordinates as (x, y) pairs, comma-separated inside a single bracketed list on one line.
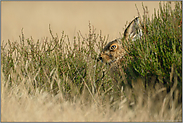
[(113, 47)]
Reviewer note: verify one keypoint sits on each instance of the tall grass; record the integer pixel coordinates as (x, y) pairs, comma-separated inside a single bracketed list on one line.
[(60, 79)]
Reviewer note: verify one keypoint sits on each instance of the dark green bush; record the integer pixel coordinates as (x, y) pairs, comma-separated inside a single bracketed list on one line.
[(160, 48)]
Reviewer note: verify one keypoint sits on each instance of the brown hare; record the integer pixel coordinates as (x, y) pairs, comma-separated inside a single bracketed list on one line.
[(113, 53)]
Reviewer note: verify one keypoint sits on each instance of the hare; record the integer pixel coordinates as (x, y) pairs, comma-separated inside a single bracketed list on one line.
[(114, 50), (113, 53)]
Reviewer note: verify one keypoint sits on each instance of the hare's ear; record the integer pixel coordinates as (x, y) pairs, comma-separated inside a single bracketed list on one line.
[(134, 30)]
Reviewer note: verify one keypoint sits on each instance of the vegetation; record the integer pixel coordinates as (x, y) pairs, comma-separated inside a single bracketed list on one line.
[(68, 71), (160, 50)]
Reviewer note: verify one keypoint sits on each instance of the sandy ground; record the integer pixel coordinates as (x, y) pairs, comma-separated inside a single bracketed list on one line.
[(34, 17)]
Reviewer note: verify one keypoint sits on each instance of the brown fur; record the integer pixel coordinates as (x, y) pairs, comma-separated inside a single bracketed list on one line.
[(114, 52), (110, 54)]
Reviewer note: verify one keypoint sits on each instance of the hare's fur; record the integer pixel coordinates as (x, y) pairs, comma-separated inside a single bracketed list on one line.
[(113, 53)]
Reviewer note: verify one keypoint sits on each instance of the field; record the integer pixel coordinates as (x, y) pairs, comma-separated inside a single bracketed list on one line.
[(60, 79), (68, 16)]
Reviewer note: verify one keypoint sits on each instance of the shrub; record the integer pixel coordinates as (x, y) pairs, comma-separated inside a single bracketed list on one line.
[(160, 49)]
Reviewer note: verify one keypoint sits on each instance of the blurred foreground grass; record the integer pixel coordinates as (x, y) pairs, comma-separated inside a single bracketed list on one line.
[(60, 79)]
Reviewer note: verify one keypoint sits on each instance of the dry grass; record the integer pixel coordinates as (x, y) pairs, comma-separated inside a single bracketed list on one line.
[(18, 105)]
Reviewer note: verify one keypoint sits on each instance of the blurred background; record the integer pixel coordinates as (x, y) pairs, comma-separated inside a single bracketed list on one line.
[(68, 16)]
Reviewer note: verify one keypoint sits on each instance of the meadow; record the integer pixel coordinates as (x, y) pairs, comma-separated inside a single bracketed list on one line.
[(56, 80)]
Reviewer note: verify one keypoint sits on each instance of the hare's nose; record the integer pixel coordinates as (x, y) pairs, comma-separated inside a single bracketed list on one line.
[(99, 58)]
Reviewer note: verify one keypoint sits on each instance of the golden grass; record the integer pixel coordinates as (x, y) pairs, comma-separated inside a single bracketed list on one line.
[(17, 105)]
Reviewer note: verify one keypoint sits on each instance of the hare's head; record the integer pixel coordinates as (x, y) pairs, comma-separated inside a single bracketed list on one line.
[(114, 50)]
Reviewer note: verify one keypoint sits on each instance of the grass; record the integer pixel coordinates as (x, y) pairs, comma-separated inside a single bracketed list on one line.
[(60, 79)]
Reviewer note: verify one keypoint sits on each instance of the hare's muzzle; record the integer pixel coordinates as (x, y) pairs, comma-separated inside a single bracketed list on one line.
[(99, 59), (104, 58)]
